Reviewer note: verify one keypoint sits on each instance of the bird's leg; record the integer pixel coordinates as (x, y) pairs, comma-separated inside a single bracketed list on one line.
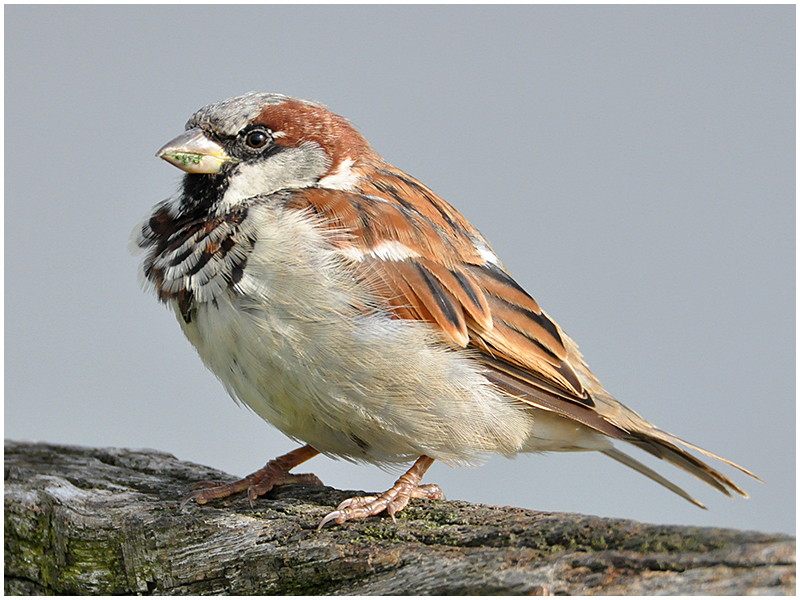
[(275, 472), (393, 500)]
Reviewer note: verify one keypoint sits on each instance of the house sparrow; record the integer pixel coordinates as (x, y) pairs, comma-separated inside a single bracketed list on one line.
[(359, 313)]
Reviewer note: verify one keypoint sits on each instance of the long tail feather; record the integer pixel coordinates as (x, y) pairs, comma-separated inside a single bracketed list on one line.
[(617, 421), (634, 464), (678, 457), (712, 455)]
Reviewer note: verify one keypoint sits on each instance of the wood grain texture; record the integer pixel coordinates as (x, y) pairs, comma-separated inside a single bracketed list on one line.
[(106, 521)]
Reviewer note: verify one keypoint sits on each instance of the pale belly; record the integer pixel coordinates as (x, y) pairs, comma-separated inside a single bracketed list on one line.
[(379, 392)]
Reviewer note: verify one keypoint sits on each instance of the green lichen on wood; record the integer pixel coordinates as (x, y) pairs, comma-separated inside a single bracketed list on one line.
[(107, 521)]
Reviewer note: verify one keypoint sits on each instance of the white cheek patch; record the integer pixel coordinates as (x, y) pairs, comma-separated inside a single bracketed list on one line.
[(342, 179), (293, 168)]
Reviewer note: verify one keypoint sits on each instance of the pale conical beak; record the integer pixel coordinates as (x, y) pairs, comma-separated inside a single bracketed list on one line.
[(193, 152)]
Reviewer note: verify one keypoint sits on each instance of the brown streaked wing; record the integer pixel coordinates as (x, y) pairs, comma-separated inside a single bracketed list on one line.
[(527, 323), (512, 306), (398, 187), (495, 281), (473, 302), (519, 349), (460, 285), (445, 310)]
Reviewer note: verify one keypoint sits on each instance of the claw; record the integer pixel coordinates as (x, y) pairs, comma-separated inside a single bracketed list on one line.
[(392, 501), (334, 516), (186, 500)]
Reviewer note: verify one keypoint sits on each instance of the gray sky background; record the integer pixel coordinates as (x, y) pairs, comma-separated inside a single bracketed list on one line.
[(633, 166)]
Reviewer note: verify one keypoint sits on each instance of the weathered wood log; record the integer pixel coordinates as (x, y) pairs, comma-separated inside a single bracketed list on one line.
[(106, 521)]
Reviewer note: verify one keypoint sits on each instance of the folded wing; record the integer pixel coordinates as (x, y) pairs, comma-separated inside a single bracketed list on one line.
[(426, 262)]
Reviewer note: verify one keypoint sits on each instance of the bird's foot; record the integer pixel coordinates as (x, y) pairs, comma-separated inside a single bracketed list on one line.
[(392, 501), (275, 472)]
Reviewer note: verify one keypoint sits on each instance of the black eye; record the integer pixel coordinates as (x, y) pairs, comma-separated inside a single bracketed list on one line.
[(257, 139)]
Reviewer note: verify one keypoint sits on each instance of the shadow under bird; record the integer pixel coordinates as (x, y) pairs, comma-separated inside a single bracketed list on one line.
[(359, 313)]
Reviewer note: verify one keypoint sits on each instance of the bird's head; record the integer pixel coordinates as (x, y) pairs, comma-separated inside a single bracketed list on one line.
[(258, 144)]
